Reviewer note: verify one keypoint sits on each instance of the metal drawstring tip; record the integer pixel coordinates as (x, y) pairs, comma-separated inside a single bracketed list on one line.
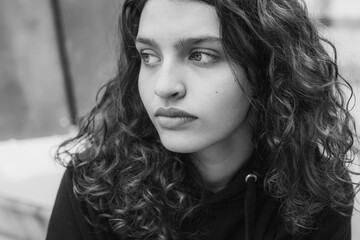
[(251, 176)]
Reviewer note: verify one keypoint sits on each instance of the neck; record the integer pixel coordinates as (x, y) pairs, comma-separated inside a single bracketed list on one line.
[(219, 163)]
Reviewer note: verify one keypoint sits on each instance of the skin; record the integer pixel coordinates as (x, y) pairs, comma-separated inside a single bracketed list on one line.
[(185, 67)]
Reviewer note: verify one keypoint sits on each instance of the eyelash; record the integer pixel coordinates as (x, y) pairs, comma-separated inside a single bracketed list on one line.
[(213, 57), (143, 54)]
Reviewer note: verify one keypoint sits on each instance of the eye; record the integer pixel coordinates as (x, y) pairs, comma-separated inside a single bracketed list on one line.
[(149, 57), (203, 57)]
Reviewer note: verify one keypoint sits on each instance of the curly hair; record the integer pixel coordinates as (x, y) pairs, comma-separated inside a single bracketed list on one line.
[(303, 131)]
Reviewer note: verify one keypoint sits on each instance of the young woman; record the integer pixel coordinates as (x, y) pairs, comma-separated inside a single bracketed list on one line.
[(226, 121)]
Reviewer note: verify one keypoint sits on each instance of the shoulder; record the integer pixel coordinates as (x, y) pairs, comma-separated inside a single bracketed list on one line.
[(330, 224), (333, 226), (70, 218), (65, 214)]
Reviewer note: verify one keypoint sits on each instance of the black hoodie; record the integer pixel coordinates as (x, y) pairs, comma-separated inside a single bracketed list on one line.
[(240, 211)]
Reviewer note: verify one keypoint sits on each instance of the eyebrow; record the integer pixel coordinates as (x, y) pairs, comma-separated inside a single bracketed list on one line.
[(182, 41)]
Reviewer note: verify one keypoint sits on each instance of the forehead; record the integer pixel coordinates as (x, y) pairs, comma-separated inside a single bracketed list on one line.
[(175, 18)]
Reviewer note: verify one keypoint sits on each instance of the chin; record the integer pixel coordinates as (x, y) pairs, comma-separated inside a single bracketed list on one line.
[(180, 145)]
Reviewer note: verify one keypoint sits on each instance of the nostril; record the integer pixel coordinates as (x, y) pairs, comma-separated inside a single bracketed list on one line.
[(175, 94), (170, 93)]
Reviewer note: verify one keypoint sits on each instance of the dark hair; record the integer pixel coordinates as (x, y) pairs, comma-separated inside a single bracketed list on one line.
[(303, 131)]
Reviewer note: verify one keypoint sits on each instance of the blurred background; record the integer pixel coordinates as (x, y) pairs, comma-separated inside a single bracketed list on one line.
[(54, 56)]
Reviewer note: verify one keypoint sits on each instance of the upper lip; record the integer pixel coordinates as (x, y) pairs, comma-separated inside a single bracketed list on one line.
[(172, 112)]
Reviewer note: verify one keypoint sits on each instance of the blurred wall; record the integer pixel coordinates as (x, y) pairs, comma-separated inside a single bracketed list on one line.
[(32, 99), (32, 94), (90, 29)]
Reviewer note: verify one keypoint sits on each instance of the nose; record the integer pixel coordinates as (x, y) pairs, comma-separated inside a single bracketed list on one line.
[(169, 83)]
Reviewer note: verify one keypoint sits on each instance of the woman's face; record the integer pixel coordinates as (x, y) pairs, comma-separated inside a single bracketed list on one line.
[(186, 82)]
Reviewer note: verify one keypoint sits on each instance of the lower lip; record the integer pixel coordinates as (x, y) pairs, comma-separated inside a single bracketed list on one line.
[(173, 122)]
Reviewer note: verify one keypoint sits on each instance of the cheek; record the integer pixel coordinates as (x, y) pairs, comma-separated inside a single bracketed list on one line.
[(144, 92), (141, 84), (230, 103), (233, 110), (144, 89)]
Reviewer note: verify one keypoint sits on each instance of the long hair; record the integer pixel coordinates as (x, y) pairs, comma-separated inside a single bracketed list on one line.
[(303, 131)]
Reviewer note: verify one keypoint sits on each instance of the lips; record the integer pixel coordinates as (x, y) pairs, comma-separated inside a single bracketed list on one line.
[(173, 118), (173, 113)]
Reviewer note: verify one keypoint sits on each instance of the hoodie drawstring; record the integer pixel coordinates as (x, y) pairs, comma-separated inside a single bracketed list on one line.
[(250, 204)]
